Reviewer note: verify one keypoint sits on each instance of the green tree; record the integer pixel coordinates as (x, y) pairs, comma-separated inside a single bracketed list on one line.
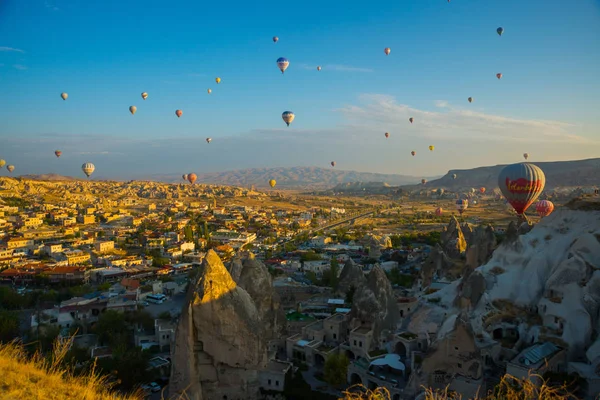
[(9, 325), (350, 294), (111, 328), (311, 276), (188, 233), (334, 272), (336, 369), (10, 299)]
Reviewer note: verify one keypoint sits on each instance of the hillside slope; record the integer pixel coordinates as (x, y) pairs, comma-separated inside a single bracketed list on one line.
[(558, 174)]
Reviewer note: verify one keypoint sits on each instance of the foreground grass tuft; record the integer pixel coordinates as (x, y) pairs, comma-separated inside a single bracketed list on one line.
[(26, 377)]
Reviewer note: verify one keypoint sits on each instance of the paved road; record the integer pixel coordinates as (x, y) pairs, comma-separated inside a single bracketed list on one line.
[(172, 305)]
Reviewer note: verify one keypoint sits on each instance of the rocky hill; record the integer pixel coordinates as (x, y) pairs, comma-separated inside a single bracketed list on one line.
[(558, 174), (293, 178), (50, 177)]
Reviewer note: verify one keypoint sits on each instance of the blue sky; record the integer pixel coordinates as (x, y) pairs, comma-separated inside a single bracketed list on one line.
[(104, 54)]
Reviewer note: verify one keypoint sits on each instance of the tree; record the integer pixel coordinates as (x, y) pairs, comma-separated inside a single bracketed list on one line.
[(188, 233), (336, 369), (334, 272), (111, 328), (9, 325), (350, 294)]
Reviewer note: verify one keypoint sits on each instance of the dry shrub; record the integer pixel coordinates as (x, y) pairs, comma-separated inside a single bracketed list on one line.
[(26, 377), (363, 393)]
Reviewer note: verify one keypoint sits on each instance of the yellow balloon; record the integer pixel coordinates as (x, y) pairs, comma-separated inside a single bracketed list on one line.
[(218, 80), (272, 182), (431, 148)]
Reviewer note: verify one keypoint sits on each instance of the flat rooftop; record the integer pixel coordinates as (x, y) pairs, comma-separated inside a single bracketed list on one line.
[(278, 366)]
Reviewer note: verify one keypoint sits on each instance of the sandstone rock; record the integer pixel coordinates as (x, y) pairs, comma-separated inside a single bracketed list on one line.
[(436, 264), (375, 304), (480, 246), (453, 239), (221, 339), (352, 275)]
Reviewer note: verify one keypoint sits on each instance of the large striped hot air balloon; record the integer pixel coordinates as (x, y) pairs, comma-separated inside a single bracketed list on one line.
[(462, 205), (544, 208), (88, 169), (282, 64), (521, 184)]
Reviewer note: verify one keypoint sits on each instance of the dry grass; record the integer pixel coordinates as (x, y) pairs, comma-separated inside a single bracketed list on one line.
[(510, 388), (25, 377)]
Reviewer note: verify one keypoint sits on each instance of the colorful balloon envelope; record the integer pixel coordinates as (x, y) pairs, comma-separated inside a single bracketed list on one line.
[(288, 117), (544, 208), (482, 190), (411, 119), (431, 148), (272, 183), (521, 184), (423, 181), (10, 168), (184, 176), (499, 75), (144, 95), (525, 156), (132, 110), (2, 163), (462, 205), (454, 176), (208, 140), (192, 178), (88, 169), (209, 91), (500, 31), (218, 80), (282, 64), (319, 68), (387, 51), (58, 153), (413, 153), (275, 39), (179, 113), (470, 99), (387, 135), (333, 163), (64, 96), (439, 211)]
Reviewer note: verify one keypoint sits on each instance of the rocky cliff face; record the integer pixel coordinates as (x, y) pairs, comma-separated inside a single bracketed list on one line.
[(221, 339), (544, 283), (481, 245), (352, 275), (375, 304), (437, 263)]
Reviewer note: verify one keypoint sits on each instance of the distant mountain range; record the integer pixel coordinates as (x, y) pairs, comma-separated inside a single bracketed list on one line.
[(293, 178), (49, 177), (558, 174)]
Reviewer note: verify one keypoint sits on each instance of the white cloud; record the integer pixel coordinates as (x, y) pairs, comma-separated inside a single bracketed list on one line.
[(3, 48), (50, 6), (383, 111), (20, 67)]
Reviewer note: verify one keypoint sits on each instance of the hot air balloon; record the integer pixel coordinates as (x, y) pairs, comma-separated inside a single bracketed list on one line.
[(439, 211), (423, 181), (462, 205), (521, 184), (288, 117), (58, 153), (132, 110), (387, 135), (282, 64), (184, 176), (208, 140), (10, 168), (333, 163), (387, 51), (431, 148), (470, 99), (2, 163), (544, 208), (209, 91), (413, 153), (319, 68), (179, 113), (411, 119), (144, 95), (473, 190), (500, 31), (88, 169), (499, 75), (64, 96), (218, 80), (454, 176), (482, 190), (525, 156), (192, 178), (272, 183), (275, 39)]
